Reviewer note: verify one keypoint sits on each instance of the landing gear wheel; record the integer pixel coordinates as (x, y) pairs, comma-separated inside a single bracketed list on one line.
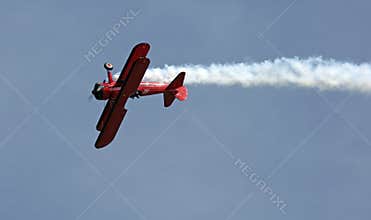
[(108, 66)]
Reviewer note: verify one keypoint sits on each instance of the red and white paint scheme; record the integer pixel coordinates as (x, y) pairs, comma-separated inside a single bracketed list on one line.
[(129, 85)]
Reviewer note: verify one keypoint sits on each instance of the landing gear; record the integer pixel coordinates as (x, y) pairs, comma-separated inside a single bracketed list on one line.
[(135, 95), (108, 66)]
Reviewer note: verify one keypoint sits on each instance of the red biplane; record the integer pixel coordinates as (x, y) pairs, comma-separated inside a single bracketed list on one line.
[(129, 85)]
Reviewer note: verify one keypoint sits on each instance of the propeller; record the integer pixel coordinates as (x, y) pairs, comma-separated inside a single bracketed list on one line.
[(90, 98)]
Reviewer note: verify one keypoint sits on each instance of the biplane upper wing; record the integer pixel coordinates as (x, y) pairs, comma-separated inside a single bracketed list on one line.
[(118, 111), (140, 50)]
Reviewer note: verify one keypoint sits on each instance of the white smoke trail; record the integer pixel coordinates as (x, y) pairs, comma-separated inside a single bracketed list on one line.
[(314, 72)]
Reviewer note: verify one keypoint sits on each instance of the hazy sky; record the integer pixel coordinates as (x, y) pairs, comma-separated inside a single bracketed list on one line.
[(309, 150)]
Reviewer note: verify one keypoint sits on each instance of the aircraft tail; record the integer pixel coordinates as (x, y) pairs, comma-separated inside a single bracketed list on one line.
[(175, 90)]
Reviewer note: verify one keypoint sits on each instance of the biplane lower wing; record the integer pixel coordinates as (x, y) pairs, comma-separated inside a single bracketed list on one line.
[(118, 111), (140, 50), (103, 118)]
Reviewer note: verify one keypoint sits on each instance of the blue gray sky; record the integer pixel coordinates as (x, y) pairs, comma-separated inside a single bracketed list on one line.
[(200, 159)]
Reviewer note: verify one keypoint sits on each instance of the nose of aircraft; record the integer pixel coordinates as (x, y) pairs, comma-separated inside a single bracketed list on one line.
[(97, 91)]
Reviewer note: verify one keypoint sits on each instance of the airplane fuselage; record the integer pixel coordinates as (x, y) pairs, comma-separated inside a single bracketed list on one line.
[(104, 90)]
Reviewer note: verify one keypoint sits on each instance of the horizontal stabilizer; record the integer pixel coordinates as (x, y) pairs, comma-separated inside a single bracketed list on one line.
[(175, 90), (177, 82)]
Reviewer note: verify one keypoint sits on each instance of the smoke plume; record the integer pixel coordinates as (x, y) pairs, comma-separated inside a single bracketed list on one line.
[(314, 72)]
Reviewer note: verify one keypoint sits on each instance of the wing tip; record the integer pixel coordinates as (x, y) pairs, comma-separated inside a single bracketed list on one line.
[(99, 144), (144, 46)]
